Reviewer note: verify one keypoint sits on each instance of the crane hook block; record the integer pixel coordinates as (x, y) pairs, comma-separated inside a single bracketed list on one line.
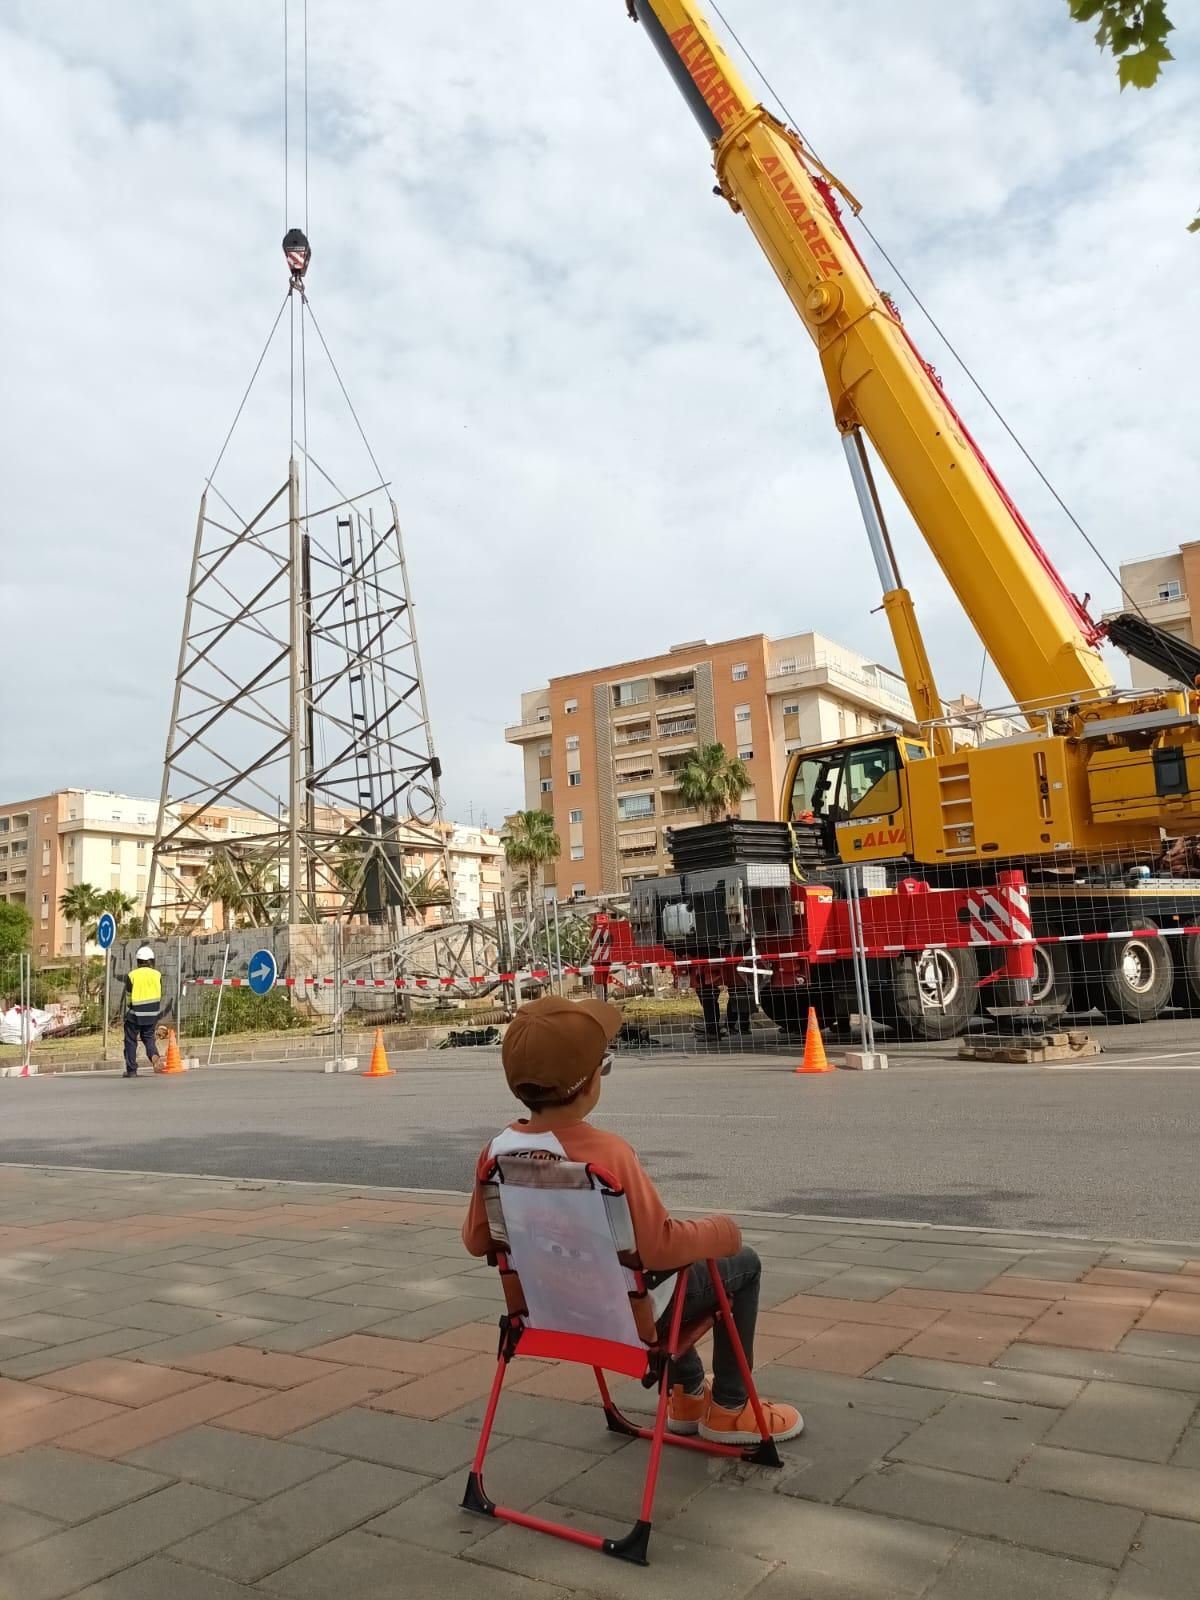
[(297, 253)]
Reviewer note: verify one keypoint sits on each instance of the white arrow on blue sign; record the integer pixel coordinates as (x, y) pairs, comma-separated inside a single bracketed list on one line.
[(106, 930), (262, 970)]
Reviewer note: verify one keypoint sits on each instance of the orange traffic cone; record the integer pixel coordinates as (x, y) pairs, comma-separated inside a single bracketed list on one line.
[(815, 1059), (379, 1062), (174, 1061)]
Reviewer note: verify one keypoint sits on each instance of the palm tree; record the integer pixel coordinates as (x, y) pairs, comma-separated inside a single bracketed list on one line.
[(423, 889), (713, 781), (246, 890), (530, 841), (120, 905), (81, 904)]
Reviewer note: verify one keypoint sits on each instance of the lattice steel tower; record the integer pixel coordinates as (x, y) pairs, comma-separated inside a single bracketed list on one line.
[(300, 780)]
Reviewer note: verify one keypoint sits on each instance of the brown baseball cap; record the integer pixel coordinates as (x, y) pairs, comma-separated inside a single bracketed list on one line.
[(553, 1046)]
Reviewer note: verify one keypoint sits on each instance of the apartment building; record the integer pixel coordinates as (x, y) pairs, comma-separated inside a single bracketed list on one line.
[(1166, 590), (602, 749), (94, 836)]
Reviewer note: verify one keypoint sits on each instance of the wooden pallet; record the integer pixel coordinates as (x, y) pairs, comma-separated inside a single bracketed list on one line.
[(1038, 1047)]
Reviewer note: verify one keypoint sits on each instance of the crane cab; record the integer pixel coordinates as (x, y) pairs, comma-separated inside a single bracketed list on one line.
[(857, 793)]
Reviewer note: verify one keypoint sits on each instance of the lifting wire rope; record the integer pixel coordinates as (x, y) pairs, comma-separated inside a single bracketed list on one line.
[(935, 325)]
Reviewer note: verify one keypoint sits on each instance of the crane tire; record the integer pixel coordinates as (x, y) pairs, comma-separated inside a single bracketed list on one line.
[(1050, 989), (1137, 976), (936, 995)]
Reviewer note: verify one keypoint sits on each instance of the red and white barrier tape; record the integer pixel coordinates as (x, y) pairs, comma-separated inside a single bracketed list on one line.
[(766, 959)]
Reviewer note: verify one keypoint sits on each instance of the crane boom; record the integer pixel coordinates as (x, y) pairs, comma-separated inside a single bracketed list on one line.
[(1038, 635)]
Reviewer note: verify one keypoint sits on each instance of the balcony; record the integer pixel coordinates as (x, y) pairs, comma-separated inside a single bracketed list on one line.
[(870, 685), (522, 732), (675, 728), (634, 736), (638, 776)]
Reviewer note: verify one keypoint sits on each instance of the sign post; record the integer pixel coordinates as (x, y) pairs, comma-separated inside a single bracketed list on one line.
[(106, 932)]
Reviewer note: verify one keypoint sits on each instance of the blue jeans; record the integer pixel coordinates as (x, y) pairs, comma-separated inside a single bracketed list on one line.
[(139, 1028), (741, 1275)]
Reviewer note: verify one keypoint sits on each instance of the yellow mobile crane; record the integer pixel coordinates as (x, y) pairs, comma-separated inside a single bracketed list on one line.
[(1099, 771)]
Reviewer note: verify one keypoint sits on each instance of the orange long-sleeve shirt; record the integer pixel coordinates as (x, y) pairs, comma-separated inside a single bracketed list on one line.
[(663, 1242)]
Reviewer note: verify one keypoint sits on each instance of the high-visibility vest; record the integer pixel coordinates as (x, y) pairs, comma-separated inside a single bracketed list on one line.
[(145, 990)]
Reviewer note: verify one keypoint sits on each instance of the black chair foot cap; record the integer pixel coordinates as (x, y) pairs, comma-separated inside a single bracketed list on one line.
[(475, 1500), (632, 1547)]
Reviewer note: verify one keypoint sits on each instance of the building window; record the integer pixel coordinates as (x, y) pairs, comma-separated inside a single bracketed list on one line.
[(575, 779), (573, 742), (570, 707), (45, 816), (547, 785), (740, 671), (791, 708), (635, 693), (741, 713), (631, 807), (578, 891), (1171, 590), (543, 713), (576, 852), (745, 753), (577, 816), (543, 750)]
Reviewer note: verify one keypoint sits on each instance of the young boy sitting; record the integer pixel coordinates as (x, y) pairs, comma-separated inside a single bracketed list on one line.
[(555, 1054)]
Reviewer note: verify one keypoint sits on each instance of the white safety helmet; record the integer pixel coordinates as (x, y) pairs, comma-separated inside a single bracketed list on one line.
[(145, 953)]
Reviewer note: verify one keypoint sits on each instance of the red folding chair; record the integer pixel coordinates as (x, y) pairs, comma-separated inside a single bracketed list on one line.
[(575, 1290)]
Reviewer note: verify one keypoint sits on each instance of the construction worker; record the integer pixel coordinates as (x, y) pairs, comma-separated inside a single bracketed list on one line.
[(143, 997)]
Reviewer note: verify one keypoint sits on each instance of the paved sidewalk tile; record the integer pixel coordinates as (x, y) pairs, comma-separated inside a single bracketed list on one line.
[(1172, 1313), (968, 1336), (71, 1488), (432, 1448), (851, 1348), (1120, 1419), (126, 1383), (1188, 1453), (1167, 1491), (838, 1446), (1082, 1325), (1036, 1388), (237, 1463), (841, 1552), (68, 1413), (298, 1337), (266, 1369), (230, 1330), (612, 1485), (160, 1578), (393, 1355), (1132, 1293), (889, 1399), (1164, 1563), (981, 1570), (1021, 1515), (19, 1527), (437, 1317), (18, 1397), (531, 1416), (264, 1537), (888, 1313), (283, 1412), (1145, 1282), (1172, 1346), (371, 1568), (54, 1357), (1113, 1368), (68, 1561), (438, 1393), (985, 1438), (680, 1569), (117, 1436)]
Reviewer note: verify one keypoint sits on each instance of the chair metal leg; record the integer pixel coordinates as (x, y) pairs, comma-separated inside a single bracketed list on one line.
[(765, 1454)]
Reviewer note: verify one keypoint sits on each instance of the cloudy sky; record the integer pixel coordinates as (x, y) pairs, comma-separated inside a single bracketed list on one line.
[(605, 429)]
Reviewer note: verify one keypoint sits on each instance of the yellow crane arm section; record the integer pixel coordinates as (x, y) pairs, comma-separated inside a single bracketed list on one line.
[(1037, 634)]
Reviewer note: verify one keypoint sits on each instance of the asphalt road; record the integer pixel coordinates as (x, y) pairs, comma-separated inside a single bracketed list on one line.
[(1108, 1152)]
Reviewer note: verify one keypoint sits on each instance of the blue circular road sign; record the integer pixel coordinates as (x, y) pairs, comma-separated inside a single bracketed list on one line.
[(106, 930), (262, 971)]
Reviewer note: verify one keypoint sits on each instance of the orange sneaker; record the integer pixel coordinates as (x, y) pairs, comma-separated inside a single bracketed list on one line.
[(720, 1426), (685, 1412)]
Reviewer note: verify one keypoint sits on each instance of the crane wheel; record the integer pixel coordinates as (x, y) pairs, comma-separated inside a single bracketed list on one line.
[(937, 993), (1136, 977), (1050, 990)]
